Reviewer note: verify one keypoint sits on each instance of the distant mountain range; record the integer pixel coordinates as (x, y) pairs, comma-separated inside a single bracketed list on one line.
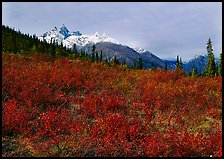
[(111, 47), (198, 62)]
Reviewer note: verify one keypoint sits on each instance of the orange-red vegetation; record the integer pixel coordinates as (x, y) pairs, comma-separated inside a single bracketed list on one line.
[(70, 107)]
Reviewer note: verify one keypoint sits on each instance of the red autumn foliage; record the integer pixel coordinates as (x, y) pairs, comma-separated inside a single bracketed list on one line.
[(69, 107)]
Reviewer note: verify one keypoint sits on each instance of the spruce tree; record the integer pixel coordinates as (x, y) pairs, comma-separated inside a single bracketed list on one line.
[(177, 63), (116, 60), (53, 49), (140, 64), (193, 72), (101, 56), (14, 42), (93, 53), (92, 57), (74, 50), (181, 64), (166, 66), (134, 65), (220, 65), (211, 69), (86, 55), (97, 56)]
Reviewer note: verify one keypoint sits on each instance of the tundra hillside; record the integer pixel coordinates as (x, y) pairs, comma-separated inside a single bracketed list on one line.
[(73, 107)]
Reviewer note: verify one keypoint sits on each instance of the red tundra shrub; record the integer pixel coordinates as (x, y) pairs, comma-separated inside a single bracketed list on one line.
[(70, 107)]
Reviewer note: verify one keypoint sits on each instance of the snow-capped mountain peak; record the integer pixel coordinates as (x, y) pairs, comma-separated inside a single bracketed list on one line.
[(64, 31), (140, 50), (69, 38)]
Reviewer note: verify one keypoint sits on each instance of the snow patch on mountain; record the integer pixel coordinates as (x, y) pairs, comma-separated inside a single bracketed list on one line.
[(140, 50), (63, 35)]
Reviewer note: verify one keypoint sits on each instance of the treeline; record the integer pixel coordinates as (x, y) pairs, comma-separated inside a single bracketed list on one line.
[(19, 43), (210, 69)]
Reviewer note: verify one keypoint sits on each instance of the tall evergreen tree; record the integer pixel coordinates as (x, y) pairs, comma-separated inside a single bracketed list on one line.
[(166, 66), (74, 49), (54, 49), (181, 64), (93, 53), (211, 68), (14, 42), (92, 57), (86, 55), (97, 56), (140, 64), (134, 65), (220, 65), (116, 60), (101, 56), (177, 63)]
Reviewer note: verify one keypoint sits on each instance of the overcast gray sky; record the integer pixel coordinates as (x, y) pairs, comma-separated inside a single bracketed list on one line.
[(164, 28)]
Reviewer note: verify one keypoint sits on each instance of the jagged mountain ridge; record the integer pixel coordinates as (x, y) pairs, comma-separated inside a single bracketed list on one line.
[(112, 47), (109, 46), (63, 35)]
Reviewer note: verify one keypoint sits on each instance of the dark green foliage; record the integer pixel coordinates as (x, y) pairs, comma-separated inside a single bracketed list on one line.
[(16, 42), (74, 49), (194, 72), (181, 64), (177, 63), (92, 57), (166, 67), (220, 65), (101, 56), (140, 64), (211, 68), (93, 53), (97, 56), (86, 55), (116, 60), (134, 65)]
